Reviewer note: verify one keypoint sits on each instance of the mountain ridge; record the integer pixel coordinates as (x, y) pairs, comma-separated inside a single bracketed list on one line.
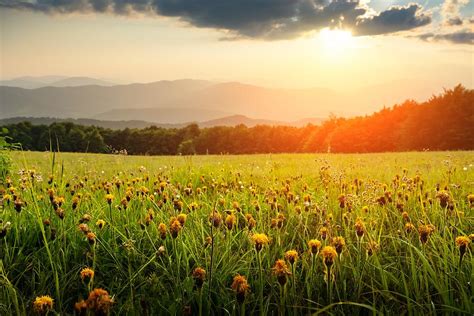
[(198, 100), (231, 120)]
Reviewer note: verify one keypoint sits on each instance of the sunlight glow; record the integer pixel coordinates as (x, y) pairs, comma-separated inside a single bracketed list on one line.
[(335, 40)]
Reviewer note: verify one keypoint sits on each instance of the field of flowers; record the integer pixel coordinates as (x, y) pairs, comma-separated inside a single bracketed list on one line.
[(263, 234)]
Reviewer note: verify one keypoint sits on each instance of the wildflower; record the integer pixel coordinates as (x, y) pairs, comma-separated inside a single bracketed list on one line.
[(91, 237), (280, 220), (329, 253), (470, 199), (75, 202), (208, 241), (405, 216), (18, 205), (58, 202), (281, 271), (251, 222), (199, 274), (215, 218), (99, 301), (193, 206), (163, 185), (409, 227), (338, 243), (444, 198), (81, 307), (7, 198), (85, 218), (161, 250), (372, 247), (342, 200), (314, 246), (43, 304), (291, 256), (462, 242), (60, 212), (425, 231), (381, 200), (162, 230), (84, 228), (178, 204), (240, 287), (100, 223), (260, 240), (236, 206), (109, 198), (182, 218), (175, 228), (87, 273), (359, 227), (324, 233), (230, 221), (3, 231)]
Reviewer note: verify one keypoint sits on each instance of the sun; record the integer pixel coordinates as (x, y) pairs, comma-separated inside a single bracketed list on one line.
[(335, 41)]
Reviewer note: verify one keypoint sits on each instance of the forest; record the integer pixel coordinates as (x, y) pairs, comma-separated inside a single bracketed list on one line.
[(444, 122)]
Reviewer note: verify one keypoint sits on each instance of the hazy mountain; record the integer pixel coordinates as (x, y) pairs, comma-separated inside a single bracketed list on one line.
[(80, 81), (29, 82), (232, 120), (186, 100), (85, 122), (162, 115)]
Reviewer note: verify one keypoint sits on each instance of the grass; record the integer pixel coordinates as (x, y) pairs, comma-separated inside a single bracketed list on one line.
[(147, 275)]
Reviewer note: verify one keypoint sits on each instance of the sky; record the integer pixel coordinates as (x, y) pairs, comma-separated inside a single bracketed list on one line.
[(339, 44)]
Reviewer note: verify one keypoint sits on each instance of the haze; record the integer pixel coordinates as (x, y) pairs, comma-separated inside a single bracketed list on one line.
[(399, 45)]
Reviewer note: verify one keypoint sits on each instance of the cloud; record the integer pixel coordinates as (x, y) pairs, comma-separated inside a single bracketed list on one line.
[(459, 37), (396, 18), (450, 12), (261, 19), (454, 21)]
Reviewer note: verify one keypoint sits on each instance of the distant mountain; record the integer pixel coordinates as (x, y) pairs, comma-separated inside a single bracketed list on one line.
[(80, 81), (235, 120), (29, 82), (232, 120), (181, 101), (162, 115), (86, 122)]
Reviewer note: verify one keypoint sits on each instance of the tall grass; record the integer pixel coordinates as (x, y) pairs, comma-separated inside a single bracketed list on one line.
[(148, 275)]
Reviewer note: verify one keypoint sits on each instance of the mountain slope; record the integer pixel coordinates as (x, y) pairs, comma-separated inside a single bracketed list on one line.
[(80, 81), (199, 100)]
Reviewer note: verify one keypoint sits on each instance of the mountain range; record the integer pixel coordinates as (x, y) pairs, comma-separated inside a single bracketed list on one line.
[(30, 82), (187, 100)]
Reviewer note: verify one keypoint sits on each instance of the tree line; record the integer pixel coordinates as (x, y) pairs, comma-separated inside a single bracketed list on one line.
[(444, 122)]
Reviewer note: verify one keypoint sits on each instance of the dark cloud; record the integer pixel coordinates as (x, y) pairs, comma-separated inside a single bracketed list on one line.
[(459, 37), (454, 21), (263, 19), (397, 18)]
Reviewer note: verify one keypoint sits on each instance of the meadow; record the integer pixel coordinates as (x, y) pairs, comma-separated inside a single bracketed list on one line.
[(290, 234)]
